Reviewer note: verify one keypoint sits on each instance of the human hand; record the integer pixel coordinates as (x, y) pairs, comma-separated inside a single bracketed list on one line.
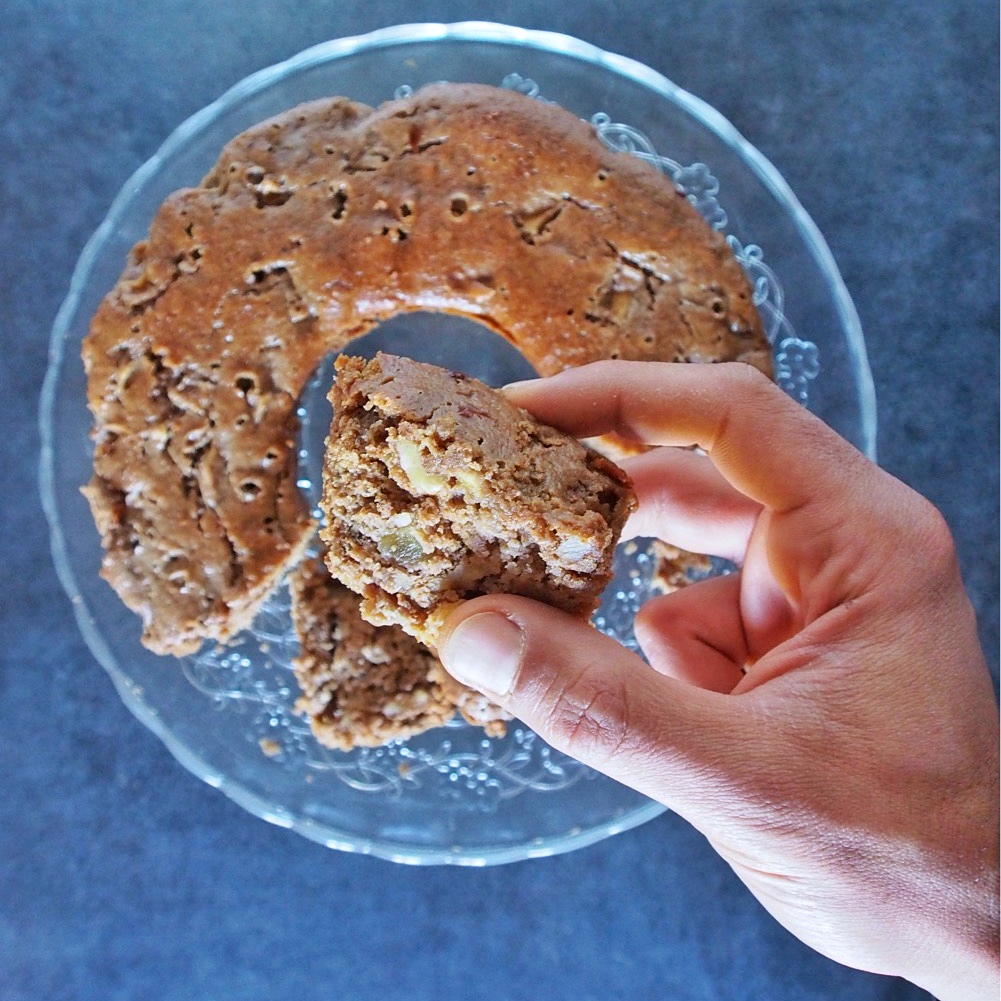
[(823, 715)]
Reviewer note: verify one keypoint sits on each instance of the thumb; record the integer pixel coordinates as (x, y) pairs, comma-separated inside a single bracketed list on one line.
[(590, 697)]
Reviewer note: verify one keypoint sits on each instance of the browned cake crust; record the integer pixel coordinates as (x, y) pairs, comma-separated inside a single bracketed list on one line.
[(436, 488), (363, 685), (311, 228)]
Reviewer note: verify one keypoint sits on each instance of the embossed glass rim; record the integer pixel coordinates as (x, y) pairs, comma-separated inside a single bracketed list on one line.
[(470, 31)]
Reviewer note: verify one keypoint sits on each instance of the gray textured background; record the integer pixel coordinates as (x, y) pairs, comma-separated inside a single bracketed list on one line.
[(122, 876)]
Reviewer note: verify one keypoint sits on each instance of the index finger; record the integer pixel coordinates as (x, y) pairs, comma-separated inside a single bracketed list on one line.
[(763, 442)]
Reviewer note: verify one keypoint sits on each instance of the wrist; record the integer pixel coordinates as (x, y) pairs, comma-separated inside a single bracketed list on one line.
[(951, 909), (959, 960)]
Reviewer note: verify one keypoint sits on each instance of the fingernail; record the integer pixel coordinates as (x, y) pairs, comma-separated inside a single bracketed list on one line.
[(484, 652)]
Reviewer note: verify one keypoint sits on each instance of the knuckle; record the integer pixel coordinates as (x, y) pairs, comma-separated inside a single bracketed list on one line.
[(921, 527), (919, 554), (745, 394), (937, 534), (935, 537), (746, 379), (605, 367)]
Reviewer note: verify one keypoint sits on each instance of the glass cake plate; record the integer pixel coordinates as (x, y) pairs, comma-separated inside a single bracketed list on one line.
[(450, 795)]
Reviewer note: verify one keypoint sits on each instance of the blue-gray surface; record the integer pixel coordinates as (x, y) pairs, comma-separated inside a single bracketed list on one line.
[(121, 875)]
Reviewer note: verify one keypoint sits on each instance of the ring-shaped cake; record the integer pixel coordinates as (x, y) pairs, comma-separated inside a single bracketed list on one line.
[(312, 228)]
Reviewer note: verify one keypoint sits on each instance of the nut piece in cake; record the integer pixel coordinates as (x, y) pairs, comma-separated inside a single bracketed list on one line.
[(437, 489)]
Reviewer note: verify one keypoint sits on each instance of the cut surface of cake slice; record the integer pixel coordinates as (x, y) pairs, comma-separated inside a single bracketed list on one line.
[(437, 489), (364, 685)]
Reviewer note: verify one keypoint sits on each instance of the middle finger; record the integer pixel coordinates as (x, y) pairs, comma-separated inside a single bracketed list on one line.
[(685, 501)]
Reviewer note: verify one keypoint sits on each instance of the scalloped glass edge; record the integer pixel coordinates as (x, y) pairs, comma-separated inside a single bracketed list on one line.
[(468, 31)]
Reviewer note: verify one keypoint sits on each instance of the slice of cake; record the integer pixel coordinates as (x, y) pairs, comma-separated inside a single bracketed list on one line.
[(675, 568), (437, 489), (364, 685)]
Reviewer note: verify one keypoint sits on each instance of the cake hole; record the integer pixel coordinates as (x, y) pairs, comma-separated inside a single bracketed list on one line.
[(609, 499), (459, 206), (340, 200), (274, 197), (451, 341)]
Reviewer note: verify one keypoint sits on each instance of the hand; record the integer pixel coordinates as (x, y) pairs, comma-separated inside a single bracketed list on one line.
[(823, 716)]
